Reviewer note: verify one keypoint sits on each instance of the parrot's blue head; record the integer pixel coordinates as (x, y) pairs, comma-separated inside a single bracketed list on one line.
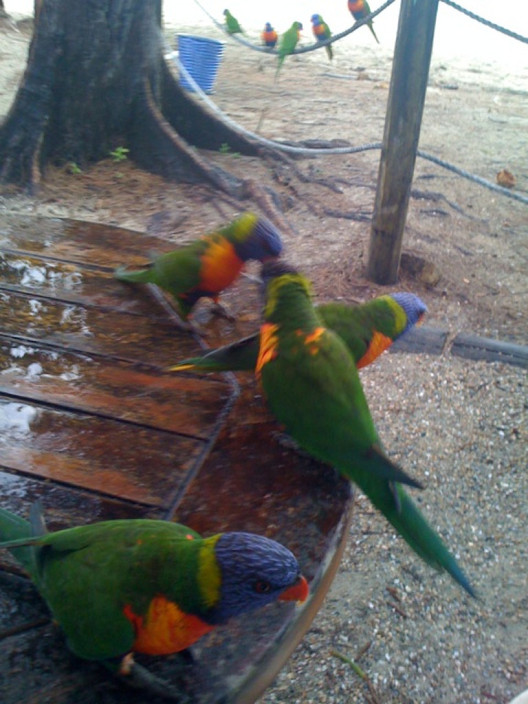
[(263, 241), (413, 307), (254, 571), (268, 27), (315, 19)]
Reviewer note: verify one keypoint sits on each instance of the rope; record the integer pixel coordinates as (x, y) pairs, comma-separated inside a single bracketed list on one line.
[(262, 140), (303, 49), (497, 27), (306, 151), (472, 177)]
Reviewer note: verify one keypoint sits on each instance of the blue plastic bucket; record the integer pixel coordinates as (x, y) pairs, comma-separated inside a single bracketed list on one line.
[(201, 57)]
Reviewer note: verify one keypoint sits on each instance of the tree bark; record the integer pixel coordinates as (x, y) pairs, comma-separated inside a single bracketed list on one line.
[(97, 79)]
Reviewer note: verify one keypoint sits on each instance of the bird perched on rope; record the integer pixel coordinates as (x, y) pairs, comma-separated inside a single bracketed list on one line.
[(360, 9), (367, 330), (269, 36), (288, 42), (313, 389), (210, 264), (321, 31), (147, 586), (232, 24)]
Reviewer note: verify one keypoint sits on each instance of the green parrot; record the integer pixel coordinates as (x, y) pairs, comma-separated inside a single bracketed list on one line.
[(287, 43), (147, 586), (367, 329), (232, 24), (313, 389), (207, 266)]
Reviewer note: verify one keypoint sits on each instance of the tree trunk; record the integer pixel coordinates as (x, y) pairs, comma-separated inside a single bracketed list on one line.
[(97, 79)]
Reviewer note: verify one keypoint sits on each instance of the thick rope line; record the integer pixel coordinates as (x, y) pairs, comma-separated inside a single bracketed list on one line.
[(472, 177), (263, 140), (306, 151), (303, 49), (497, 27)]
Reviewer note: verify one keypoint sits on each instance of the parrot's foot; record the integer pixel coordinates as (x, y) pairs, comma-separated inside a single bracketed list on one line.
[(139, 677), (166, 303)]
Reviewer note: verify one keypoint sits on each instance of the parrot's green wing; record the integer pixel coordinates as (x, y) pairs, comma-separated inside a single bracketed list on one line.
[(332, 420), (17, 529), (179, 271), (239, 356), (176, 272), (232, 24), (287, 44), (88, 575)]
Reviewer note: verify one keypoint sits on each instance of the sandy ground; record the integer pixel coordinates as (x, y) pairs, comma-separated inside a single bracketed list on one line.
[(458, 426)]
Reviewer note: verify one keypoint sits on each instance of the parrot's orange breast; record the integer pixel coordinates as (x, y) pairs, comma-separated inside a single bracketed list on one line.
[(220, 266), (378, 344), (356, 5), (165, 628)]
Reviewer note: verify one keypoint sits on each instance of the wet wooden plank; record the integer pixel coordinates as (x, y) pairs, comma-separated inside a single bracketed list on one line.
[(74, 283), (95, 453), (93, 331), (80, 242), (111, 388)]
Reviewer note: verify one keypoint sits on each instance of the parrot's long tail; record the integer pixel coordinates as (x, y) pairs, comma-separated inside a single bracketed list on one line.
[(13, 527), (137, 276), (240, 356), (373, 32), (404, 515)]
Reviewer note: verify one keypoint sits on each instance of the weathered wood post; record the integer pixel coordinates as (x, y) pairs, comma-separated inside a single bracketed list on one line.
[(410, 71)]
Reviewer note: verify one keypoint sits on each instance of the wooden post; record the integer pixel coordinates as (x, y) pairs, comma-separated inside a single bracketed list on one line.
[(410, 71)]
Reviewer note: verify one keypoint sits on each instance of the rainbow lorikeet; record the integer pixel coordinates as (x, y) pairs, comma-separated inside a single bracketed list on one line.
[(232, 24), (269, 36), (207, 266), (367, 330), (321, 31), (360, 9), (287, 44), (147, 586), (312, 387)]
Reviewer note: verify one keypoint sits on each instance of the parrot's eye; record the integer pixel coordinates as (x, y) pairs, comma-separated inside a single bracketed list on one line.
[(262, 587)]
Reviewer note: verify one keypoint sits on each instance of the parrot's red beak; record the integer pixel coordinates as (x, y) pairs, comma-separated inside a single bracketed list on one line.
[(297, 592)]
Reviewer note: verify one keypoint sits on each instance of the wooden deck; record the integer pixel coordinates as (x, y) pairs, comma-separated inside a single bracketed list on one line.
[(93, 426)]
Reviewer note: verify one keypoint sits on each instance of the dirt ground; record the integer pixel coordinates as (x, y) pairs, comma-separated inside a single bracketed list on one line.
[(441, 649)]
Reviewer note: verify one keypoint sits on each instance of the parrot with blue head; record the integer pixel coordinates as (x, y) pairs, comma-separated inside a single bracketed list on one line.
[(321, 31), (360, 9), (269, 36), (205, 267), (312, 387)]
